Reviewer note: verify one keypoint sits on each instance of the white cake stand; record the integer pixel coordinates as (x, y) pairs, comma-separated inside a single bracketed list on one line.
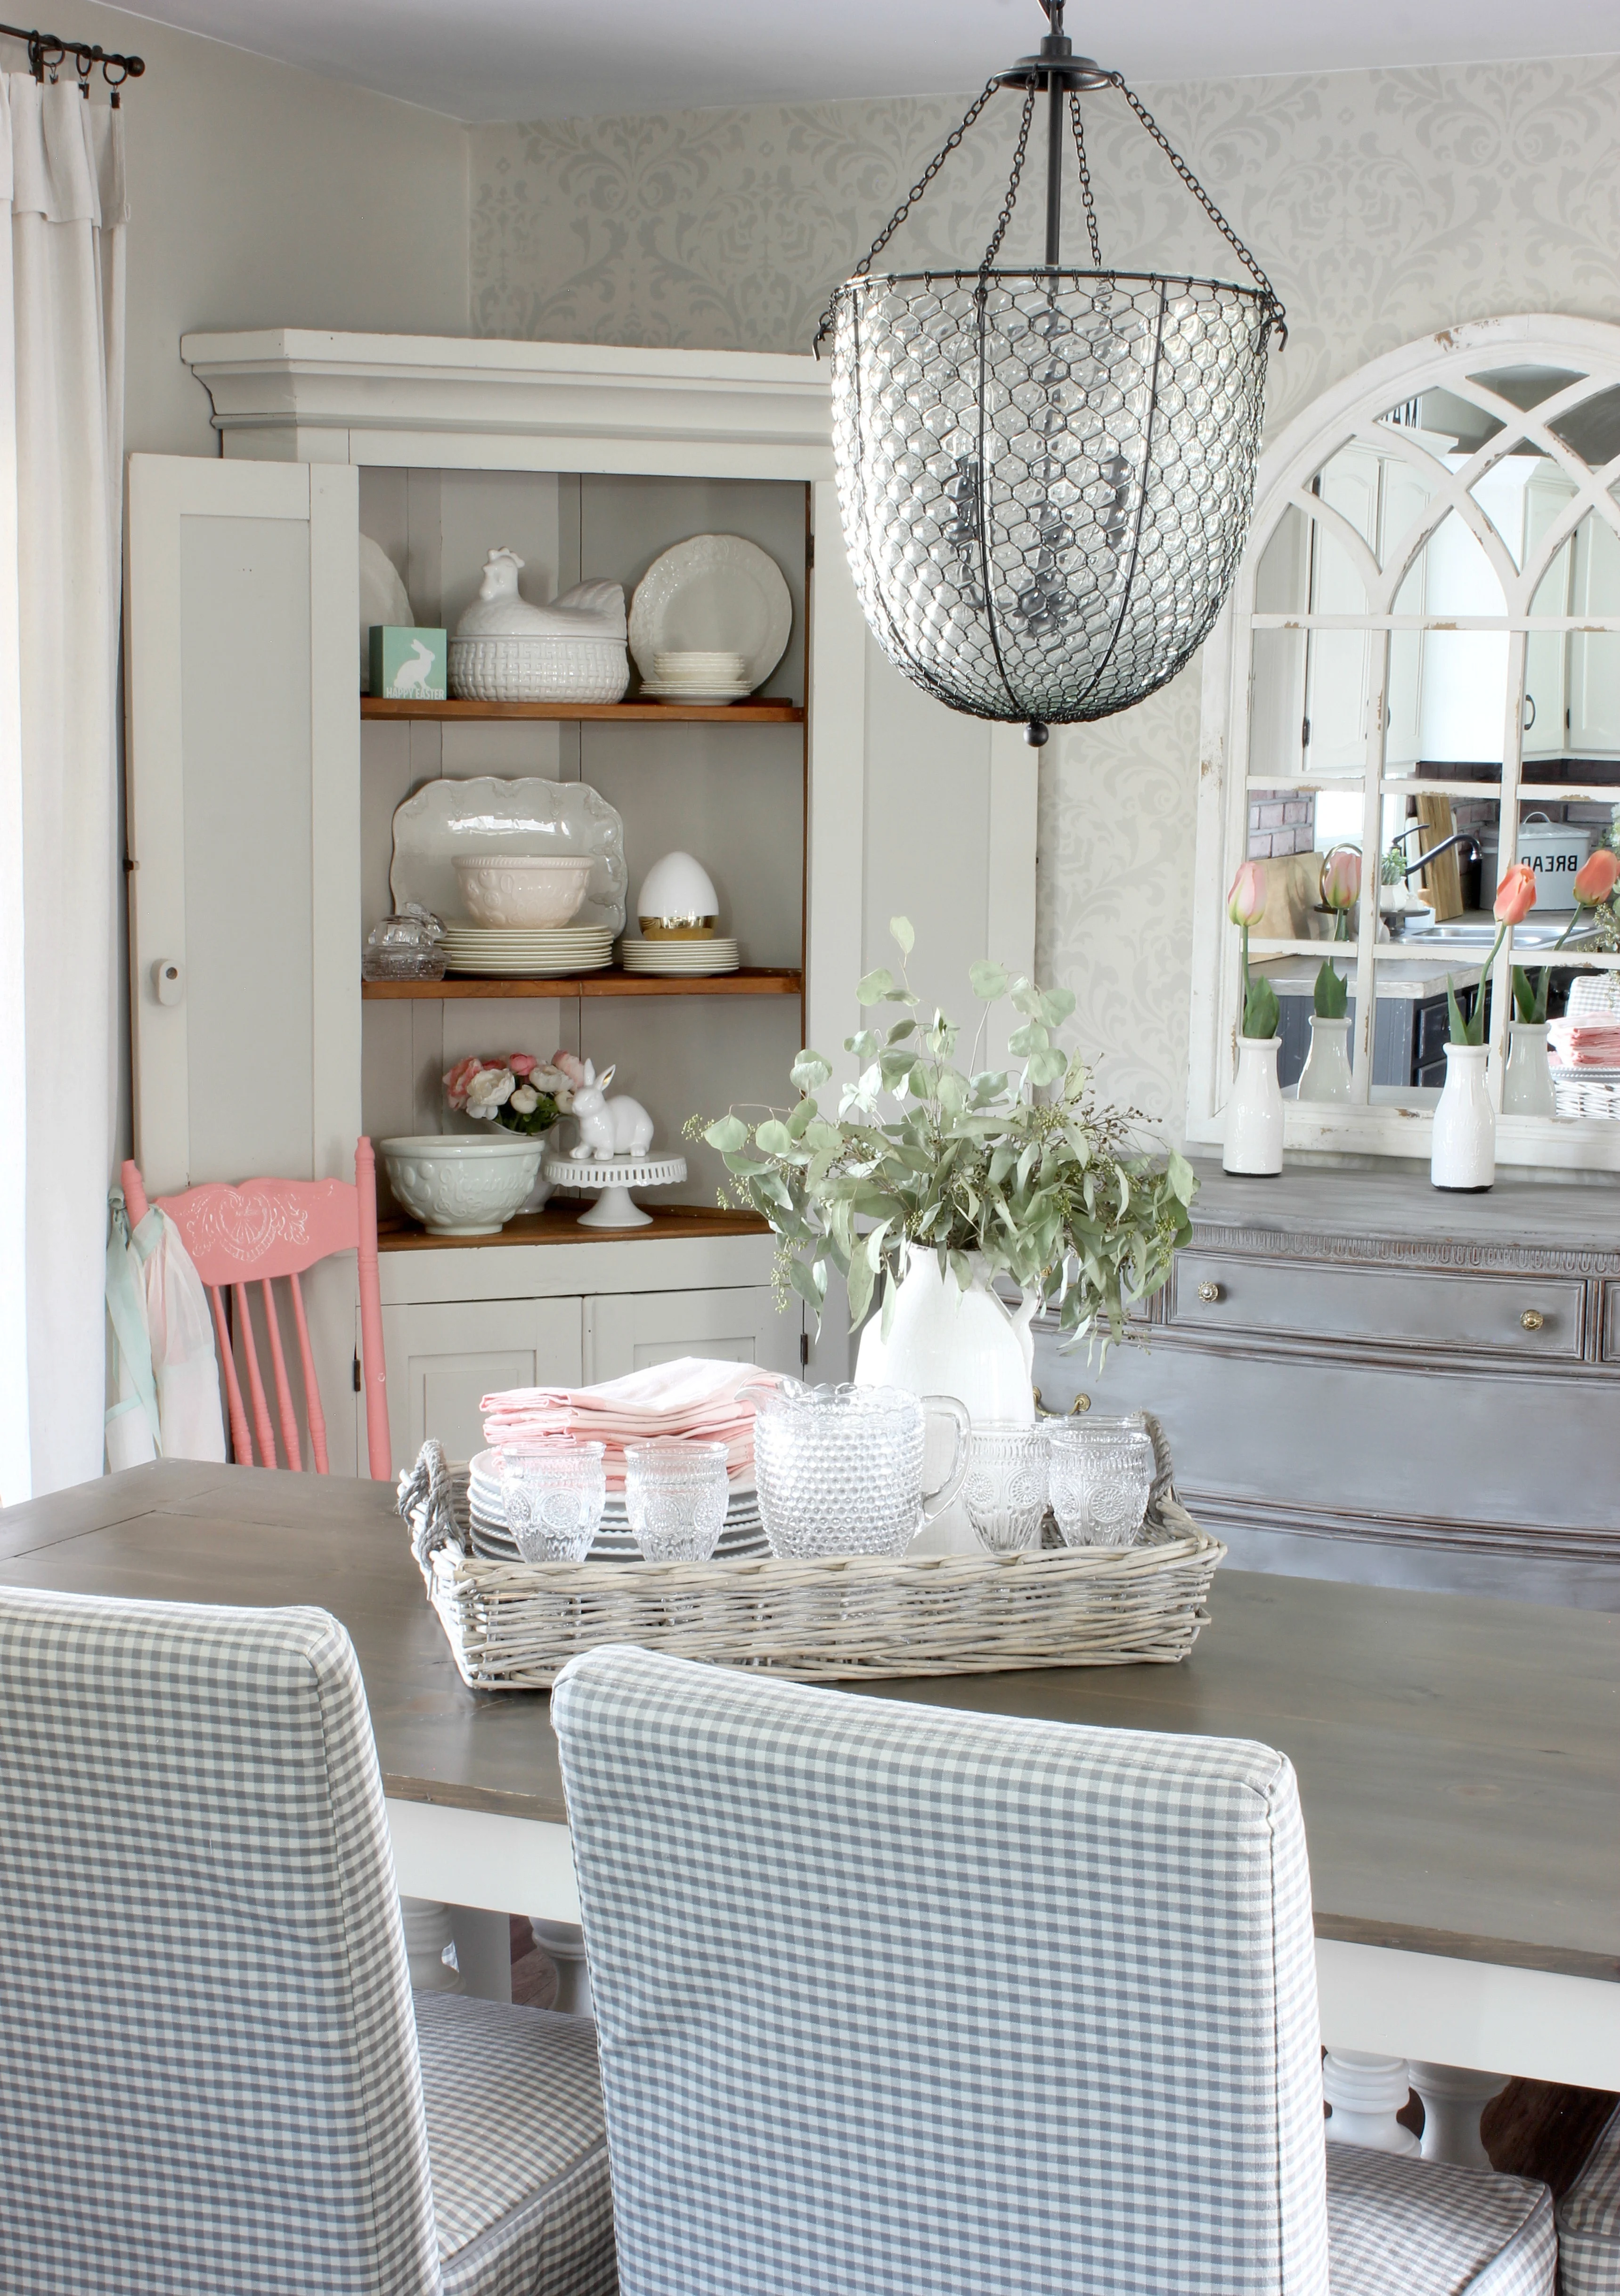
[(615, 1176)]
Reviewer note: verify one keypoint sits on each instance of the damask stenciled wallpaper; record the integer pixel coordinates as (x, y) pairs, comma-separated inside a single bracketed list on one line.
[(1384, 204)]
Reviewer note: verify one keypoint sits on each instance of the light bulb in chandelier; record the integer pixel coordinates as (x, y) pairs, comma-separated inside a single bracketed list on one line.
[(1045, 474)]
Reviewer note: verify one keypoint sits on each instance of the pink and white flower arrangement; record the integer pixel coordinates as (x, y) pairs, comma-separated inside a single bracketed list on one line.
[(514, 1090)]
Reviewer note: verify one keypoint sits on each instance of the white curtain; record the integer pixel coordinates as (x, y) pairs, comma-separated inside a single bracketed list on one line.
[(61, 399)]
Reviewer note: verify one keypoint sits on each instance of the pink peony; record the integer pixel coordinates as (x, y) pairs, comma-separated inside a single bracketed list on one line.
[(521, 1064), (572, 1067)]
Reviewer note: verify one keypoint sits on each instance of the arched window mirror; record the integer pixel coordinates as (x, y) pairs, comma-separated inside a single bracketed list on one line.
[(1423, 642)]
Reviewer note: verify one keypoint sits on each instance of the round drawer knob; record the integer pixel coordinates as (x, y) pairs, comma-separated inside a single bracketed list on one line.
[(1211, 1292), (1533, 1319)]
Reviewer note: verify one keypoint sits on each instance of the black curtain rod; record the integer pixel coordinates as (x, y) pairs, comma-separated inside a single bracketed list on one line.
[(47, 53)]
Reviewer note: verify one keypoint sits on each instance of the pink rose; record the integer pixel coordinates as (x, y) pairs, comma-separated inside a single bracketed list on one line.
[(521, 1064), (457, 1079), (571, 1066)]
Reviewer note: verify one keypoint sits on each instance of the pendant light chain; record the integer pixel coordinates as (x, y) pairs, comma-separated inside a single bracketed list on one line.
[(1273, 299), (1086, 200), (824, 328), (987, 262)]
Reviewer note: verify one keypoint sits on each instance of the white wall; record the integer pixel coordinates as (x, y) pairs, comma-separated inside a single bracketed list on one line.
[(263, 196)]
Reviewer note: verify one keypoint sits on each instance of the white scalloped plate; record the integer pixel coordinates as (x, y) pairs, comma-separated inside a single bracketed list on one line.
[(715, 594), (447, 818)]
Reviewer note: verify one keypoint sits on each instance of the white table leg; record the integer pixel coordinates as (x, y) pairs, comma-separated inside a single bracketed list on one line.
[(1454, 2099), (564, 1943), (427, 1933), (1366, 2092), (483, 1951)]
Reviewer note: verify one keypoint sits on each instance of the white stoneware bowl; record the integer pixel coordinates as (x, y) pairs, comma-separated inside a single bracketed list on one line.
[(522, 889), (458, 1186)]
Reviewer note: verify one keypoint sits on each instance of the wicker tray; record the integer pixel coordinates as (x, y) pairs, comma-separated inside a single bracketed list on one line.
[(515, 1626)]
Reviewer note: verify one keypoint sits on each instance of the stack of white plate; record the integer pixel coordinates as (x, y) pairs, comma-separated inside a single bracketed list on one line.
[(524, 951), (615, 1542), (685, 956), (689, 676)]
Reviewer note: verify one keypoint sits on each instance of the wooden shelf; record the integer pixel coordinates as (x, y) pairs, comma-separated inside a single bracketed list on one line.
[(624, 713), (559, 1223), (750, 981)]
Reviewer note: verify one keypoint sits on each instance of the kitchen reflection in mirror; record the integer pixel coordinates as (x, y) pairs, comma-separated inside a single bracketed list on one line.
[(1426, 650)]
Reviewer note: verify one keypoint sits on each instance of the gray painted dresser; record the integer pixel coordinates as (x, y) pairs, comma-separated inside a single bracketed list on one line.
[(1363, 1378)]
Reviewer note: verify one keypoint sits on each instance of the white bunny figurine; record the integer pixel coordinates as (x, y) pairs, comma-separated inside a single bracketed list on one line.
[(608, 1128)]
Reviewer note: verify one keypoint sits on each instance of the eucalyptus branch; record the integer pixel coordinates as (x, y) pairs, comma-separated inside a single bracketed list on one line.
[(925, 1156)]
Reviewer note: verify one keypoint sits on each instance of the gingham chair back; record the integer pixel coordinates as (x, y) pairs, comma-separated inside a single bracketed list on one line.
[(892, 1997), (208, 2056)]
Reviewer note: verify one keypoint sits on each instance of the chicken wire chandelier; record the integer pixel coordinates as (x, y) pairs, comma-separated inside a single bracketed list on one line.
[(1045, 474)]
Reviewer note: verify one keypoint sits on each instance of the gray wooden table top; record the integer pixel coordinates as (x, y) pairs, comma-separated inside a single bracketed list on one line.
[(1459, 1758)]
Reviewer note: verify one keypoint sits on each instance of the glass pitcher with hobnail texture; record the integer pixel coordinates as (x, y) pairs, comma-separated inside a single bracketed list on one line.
[(840, 1469)]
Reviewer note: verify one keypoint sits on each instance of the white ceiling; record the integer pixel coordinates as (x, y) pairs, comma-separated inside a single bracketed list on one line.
[(489, 60)]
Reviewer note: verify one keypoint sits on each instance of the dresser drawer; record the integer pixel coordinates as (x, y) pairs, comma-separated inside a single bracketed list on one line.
[(1533, 1318)]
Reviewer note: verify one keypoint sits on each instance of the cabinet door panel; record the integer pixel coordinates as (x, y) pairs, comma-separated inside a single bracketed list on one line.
[(629, 1330), (243, 772), (443, 1360)]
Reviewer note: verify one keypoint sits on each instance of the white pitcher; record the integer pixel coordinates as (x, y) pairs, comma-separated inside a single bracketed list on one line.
[(943, 1341)]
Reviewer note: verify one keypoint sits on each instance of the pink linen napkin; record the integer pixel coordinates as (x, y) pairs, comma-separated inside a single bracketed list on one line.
[(692, 1399)]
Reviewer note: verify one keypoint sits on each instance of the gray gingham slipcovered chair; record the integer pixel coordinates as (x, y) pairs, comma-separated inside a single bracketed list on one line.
[(901, 2000), (1589, 2221), (211, 2079)]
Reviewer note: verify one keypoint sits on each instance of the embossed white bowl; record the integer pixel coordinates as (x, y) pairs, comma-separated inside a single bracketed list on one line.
[(522, 889), (458, 1186)]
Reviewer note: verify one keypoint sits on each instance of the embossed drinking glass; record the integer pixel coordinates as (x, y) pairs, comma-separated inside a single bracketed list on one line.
[(840, 1469), (1100, 1474), (675, 1495), (1005, 1485), (554, 1495)]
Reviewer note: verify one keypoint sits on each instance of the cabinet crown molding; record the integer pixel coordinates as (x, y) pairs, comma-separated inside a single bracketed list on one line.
[(309, 394)]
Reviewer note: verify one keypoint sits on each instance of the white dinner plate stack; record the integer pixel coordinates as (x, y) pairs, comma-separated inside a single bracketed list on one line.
[(719, 955), (522, 952), (701, 677), (615, 1541)]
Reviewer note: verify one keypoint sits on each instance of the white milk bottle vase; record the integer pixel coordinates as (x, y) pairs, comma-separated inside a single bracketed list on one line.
[(1252, 1141), (1463, 1146), (1462, 1154)]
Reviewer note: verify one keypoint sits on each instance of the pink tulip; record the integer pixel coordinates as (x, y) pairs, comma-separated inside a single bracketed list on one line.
[(521, 1064), (1596, 879), (1342, 879), (1515, 896), (1245, 904)]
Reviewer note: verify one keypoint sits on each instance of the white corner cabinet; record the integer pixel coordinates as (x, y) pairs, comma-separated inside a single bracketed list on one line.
[(260, 804)]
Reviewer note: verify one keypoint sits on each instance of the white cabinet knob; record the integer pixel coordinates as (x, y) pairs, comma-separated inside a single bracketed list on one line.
[(168, 981)]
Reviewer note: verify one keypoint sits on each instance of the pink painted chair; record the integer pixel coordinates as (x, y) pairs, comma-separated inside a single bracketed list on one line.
[(270, 1228)]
